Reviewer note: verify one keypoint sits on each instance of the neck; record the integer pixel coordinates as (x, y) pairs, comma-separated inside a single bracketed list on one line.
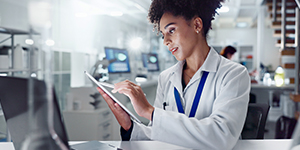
[(196, 60)]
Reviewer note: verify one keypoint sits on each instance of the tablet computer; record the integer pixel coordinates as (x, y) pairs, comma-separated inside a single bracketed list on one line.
[(112, 97)]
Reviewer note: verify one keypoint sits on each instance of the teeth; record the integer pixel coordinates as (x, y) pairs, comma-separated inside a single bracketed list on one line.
[(173, 49)]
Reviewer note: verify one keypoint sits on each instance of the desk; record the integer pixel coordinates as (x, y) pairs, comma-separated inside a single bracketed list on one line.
[(282, 144), (275, 97), (272, 87), (147, 145), (262, 92)]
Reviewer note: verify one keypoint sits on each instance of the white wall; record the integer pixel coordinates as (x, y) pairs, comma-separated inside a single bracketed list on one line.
[(13, 15), (246, 37)]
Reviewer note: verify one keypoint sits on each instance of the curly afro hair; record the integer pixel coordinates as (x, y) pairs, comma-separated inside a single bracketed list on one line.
[(205, 9)]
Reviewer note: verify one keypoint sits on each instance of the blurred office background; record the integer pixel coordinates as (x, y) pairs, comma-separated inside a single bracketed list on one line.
[(82, 29)]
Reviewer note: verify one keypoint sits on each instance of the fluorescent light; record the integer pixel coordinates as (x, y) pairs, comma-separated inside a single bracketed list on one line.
[(3, 74), (33, 75), (29, 41), (223, 9), (50, 42)]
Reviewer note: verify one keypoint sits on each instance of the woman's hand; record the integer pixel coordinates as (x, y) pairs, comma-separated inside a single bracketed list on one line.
[(122, 117), (137, 97)]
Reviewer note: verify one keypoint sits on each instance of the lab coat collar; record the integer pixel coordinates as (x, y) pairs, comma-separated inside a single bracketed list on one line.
[(210, 65), (177, 75), (211, 62)]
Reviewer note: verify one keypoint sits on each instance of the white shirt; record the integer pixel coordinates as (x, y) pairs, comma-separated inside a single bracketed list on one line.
[(221, 112)]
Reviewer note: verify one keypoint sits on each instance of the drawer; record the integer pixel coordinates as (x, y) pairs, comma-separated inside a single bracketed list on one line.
[(105, 130), (104, 115)]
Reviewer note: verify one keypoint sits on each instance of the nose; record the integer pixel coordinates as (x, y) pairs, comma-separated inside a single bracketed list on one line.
[(167, 40)]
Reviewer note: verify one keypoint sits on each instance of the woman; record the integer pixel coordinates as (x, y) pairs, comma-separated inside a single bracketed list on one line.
[(228, 52), (181, 115)]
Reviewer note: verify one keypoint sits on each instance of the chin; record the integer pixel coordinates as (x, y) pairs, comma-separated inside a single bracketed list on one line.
[(179, 58)]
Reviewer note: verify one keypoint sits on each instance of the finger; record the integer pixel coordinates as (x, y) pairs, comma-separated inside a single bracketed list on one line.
[(126, 92), (118, 86), (121, 87), (119, 108), (124, 83)]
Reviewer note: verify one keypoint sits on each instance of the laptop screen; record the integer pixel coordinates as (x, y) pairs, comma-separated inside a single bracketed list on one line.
[(14, 102)]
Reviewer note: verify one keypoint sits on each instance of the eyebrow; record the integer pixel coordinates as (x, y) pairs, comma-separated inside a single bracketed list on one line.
[(169, 24)]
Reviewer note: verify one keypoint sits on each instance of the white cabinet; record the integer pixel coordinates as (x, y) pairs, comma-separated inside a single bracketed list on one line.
[(87, 125), (13, 58), (246, 56)]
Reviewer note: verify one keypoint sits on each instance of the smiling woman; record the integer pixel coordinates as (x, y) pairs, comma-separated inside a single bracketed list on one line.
[(201, 101)]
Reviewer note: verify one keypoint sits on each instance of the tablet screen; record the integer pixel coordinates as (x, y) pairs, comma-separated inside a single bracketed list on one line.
[(112, 97)]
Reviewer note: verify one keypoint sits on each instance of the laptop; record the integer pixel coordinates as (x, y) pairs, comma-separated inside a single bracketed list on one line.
[(14, 103)]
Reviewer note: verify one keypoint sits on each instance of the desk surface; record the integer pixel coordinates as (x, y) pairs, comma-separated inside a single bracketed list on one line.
[(145, 145), (272, 87), (282, 144), (267, 144)]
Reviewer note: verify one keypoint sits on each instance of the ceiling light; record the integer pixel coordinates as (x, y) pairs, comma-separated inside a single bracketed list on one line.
[(49, 42), (29, 41), (223, 9)]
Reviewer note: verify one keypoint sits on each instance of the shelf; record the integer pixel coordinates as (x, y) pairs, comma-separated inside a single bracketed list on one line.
[(14, 31), (16, 70), (5, 49)]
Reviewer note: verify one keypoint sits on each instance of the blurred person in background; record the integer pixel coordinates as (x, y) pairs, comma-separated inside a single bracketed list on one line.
[(228, 52)]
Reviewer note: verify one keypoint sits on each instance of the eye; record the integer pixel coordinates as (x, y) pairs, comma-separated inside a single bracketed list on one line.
[(172, 30), (162, 37)]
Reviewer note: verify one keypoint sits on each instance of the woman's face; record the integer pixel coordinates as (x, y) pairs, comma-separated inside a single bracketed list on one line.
[(230, 56), (179, 35)]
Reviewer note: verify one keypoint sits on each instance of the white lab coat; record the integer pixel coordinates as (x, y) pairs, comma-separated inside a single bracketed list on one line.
[(221, 111)]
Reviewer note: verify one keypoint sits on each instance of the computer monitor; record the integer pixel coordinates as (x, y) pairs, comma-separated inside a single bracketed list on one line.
[(150, 61), (14, 102), (118, 60)]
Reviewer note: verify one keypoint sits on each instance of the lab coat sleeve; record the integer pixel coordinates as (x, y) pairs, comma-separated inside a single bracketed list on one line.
[(220, 130), (140, 131)]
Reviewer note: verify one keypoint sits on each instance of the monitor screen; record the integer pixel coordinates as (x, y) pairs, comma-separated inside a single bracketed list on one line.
[(118, 60), (150, 61), (14, 102)]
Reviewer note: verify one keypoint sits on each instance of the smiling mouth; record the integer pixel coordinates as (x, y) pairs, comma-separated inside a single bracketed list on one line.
[(173, 50)]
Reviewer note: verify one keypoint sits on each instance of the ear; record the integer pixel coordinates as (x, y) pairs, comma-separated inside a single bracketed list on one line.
[(198, 25)]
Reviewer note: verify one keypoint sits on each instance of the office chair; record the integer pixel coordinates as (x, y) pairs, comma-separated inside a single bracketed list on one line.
[(254, 126), (252, 98), (285, 127)]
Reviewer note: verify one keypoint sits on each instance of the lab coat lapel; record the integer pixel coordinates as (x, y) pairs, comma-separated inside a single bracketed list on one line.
[(176, 76), (209, 65), (175, 79)]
